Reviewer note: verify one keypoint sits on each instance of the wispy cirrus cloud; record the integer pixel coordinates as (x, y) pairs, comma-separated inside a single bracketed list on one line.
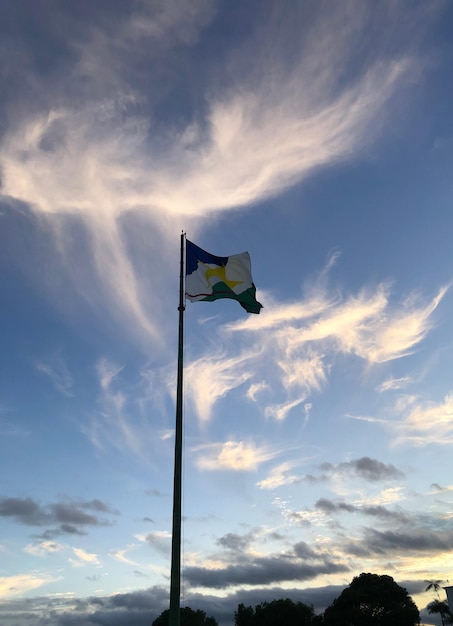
[(211, 377), (302, 339), (392, 384), (424, 422), (111, 158), (280, 411), (119, 420), (368, 324), (107, 371), (56, 369)]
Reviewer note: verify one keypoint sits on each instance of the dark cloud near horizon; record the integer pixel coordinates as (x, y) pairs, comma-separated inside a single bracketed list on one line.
[(301, 563), (410, 542), (366, 468), (264, 570), (378, 511), (160, 543), (414, 542), (235, 542), (71, 516), (141, 607), (328, 506)]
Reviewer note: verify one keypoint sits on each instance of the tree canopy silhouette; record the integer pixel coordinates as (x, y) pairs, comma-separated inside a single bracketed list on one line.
[(440, 608), (275, 613), (188, 617), (372, 600)]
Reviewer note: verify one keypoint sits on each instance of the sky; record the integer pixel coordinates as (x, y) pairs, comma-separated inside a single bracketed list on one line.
[(317, 136)]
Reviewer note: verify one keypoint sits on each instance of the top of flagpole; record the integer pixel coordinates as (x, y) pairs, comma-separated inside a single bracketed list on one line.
[(181, 275)]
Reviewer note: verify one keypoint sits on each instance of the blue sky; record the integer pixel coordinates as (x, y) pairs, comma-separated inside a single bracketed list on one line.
[(316, 135)]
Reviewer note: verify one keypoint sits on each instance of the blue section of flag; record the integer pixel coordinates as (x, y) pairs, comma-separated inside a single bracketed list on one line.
[(195, 254)]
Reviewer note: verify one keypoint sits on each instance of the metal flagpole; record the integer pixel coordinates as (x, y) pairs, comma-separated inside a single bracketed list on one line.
[(175, 576)]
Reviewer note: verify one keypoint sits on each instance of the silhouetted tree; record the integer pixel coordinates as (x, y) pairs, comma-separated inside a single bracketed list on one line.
[(244, 616), (372, 600), (189, 617), (436, 607), (434, 585), (275, 613)]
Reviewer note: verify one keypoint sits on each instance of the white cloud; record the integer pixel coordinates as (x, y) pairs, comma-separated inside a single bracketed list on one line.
[(279, 476), (282, 314), (395, 383), (83, 558), (120, 555), (366, 325), (366, 418), (210, 378), (255, 389), (107, 372), (21, 583), (407, 328), (304, 337), (280, 411), (308, 372), (232, 455), (43, 548), (426, 422), (384, 497)]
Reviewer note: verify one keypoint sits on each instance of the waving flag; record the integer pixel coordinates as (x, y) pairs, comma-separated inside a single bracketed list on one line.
[(210, 278)]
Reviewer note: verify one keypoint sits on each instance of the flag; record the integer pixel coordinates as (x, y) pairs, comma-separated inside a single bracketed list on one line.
[(210, 277)]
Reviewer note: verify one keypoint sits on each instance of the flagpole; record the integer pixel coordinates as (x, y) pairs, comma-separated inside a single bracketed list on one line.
[(175, 576)]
